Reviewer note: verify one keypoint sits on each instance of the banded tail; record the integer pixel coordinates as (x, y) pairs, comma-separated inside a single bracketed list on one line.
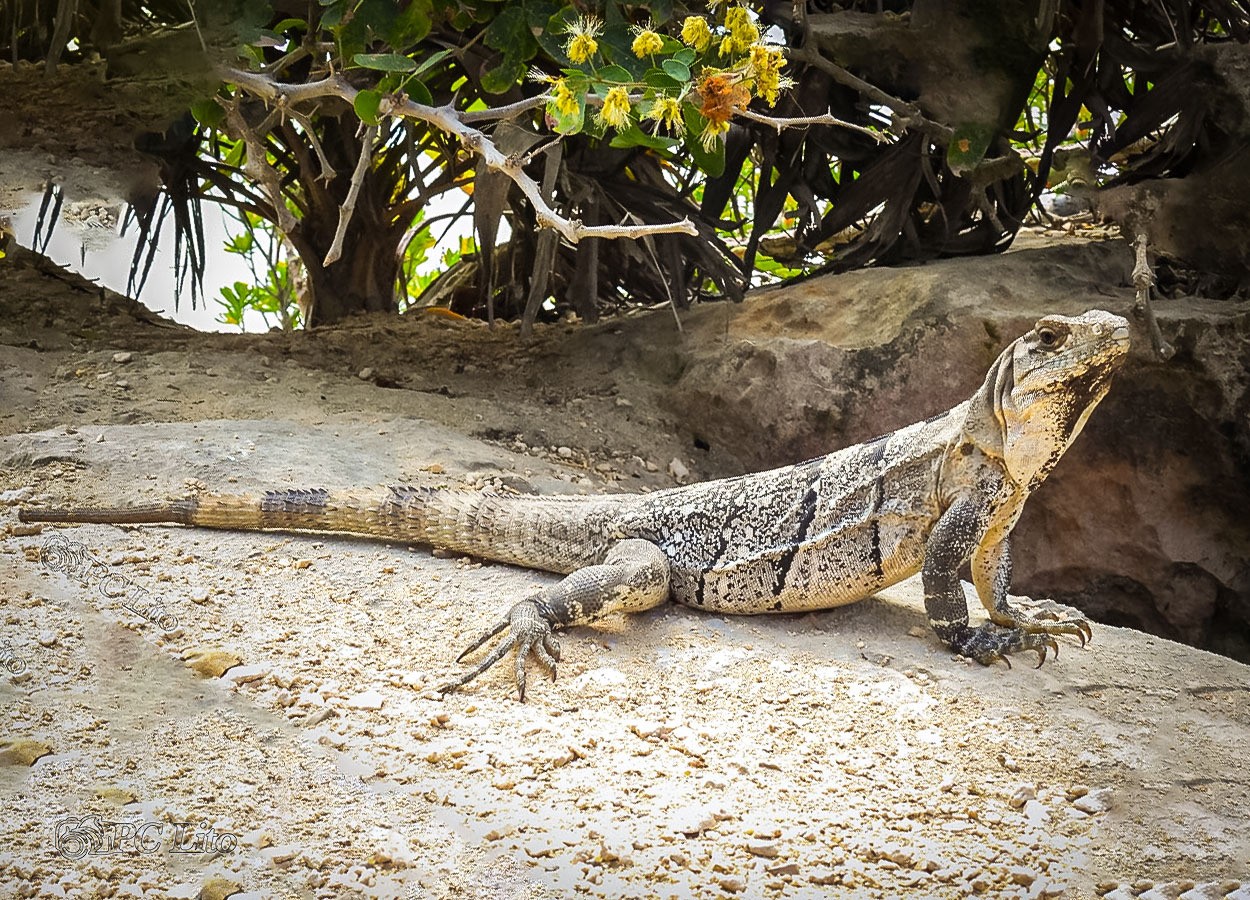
[(558, 534)]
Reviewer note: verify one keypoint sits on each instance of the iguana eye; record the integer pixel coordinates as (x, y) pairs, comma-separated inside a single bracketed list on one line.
[(1047, 337)]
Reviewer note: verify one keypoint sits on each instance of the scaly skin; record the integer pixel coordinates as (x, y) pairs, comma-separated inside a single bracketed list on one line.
[(819, 534)]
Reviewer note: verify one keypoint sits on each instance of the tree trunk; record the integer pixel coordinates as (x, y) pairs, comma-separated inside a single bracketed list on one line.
[(365, 276), (362, 280)]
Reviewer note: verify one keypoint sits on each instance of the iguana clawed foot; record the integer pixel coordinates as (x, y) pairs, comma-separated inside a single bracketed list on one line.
[(531, 632), (991, 642), (1044, 617)]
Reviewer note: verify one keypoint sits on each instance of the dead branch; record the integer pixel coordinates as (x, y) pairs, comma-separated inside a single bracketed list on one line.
[(782, 122), (906, 115), (258, 167), (349, 204), (449, 120), (1143, 279)]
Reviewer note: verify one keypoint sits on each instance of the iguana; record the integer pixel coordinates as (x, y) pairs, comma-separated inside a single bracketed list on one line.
[(814, 535)]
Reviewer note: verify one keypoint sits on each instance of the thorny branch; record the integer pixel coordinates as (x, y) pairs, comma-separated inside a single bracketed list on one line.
[(349, 204), (782, 122), (460, 125), (258, 167), (906, 115), (447, 119), (1143, 278)]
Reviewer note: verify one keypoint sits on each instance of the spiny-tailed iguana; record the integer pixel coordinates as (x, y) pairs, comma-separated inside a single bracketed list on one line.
[(815, 535)]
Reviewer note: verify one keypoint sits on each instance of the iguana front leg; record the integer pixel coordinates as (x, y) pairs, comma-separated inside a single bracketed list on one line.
[(634, 576), (951, 542), (991, 573)]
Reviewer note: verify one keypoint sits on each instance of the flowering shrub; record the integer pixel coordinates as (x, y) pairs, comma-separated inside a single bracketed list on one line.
[(666, 90)]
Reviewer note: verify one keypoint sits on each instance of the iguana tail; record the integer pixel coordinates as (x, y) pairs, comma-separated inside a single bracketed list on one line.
[(559, 534)]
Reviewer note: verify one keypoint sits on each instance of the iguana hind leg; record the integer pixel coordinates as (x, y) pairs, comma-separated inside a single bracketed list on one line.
[(634, 576)]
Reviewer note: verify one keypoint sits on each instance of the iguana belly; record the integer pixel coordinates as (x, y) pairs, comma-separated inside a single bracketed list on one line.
[(830, 570)]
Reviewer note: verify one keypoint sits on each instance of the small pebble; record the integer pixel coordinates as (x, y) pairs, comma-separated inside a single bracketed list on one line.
[(210, 661), (1096, 801)]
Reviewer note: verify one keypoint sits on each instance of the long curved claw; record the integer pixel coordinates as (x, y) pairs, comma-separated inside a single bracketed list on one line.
[(496, 655), (530, 634), (991, 642), (1045, 641), (1044, 617), (482, 639)]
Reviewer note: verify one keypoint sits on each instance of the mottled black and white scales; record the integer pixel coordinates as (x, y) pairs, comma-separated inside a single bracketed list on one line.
[(818, 534)]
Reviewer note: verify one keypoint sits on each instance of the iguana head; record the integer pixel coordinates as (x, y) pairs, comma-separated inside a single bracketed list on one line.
[(1044, 386)]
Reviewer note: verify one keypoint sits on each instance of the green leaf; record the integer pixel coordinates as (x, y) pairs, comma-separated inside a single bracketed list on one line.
[(633, 136), (617, 43), (967, 147), (332, 18), (510, 33), (573, 122), (712, 164), (208, 112), (385, 62), (411, 25), (291, 25), (432, 60), (538, 13), (366, 106), (419, 93), (614, 74), (685, 55), (503, 77), (661, 11), (657, 78), (553, 38), (676, 70)]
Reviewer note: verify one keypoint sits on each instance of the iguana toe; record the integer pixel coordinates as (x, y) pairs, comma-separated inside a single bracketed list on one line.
[(530, 633), (990, 643), (1044, 617)]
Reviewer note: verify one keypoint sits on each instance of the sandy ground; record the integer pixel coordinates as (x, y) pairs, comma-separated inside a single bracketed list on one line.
[(192, 713)]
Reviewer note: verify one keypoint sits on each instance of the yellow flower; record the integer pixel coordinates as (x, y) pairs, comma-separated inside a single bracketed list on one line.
[(696, 33), (667, 111), (765, 65), (582, 44), (615, 109), (648, 43), (711, 135), (742, 31), (563, 99)]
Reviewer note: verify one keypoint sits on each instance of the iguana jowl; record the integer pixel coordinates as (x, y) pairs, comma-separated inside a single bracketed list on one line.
[(815, 535)]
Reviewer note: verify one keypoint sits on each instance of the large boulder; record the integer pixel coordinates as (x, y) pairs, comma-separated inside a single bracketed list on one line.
[(1144, 523)]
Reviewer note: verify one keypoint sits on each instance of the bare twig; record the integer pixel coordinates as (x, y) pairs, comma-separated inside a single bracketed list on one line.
[(349, 204), (447, 119), (66, 10), (503, 112), (327, 170), (781, 122), (906, 115), (258, 167), (196, 22), (1143, 279)]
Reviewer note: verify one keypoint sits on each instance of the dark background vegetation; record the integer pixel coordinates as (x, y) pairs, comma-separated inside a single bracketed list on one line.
[(984, 105)]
